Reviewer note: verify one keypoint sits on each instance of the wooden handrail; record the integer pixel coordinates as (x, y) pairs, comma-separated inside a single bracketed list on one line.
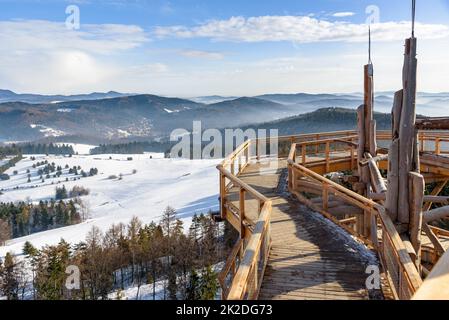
[(240, 183), (249, 260), (411, 274), (253, 249), (436, 286)]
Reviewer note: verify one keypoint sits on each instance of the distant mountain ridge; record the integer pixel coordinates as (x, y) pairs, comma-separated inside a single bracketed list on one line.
[(10, 96), (153, 117)]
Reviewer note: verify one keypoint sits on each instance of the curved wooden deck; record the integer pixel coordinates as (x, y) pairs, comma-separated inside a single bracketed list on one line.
[(308, 259)]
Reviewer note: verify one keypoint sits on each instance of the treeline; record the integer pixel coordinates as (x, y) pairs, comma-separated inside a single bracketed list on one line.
[(8, 150), (22, 219), (31, 148), (11, 163), (173, 264), (51, 148), (136, 147)]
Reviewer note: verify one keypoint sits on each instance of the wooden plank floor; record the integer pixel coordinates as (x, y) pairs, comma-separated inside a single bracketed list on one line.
[(309, 260)]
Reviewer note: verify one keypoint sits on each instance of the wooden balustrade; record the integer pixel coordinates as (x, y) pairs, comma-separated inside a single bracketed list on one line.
[(243, 272), (401, 272)]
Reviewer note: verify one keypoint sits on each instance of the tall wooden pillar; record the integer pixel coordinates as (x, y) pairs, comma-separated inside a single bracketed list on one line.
[(407, 130), (405, 183)]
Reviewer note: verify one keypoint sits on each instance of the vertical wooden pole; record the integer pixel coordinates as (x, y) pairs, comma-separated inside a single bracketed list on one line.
[(369, 105), (423, 141), (407, 130), (325, 197), (303, 154), (373, 138), (223, 195), (391, 203), (417, 185), (351, 150), (437, 146), (327, 156), (242, 212)]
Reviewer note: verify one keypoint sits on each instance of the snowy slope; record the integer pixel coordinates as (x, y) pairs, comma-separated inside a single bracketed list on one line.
[(188, 186)]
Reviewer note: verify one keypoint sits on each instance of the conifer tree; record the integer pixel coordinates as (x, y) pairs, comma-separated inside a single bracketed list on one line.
[(9, 277)]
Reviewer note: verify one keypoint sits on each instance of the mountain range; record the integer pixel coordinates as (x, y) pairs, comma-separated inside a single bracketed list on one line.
[(114, 116)]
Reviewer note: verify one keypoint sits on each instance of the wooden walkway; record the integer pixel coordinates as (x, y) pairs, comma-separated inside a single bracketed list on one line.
[(310, 259)]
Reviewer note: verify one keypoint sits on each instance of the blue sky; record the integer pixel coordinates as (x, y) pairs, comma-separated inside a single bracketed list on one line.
[(203, 47)]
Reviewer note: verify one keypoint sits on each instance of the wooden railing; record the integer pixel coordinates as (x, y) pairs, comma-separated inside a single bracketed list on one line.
[(242, 275), (436, 286), (400, 270), (309, 157)]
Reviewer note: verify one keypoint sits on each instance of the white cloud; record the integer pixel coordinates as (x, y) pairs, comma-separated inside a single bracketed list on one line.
[(46, 57), (343, 14), (202, 54), (300, 29), (46, 35)]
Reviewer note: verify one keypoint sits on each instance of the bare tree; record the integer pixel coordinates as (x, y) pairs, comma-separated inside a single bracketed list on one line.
[(5, 232)]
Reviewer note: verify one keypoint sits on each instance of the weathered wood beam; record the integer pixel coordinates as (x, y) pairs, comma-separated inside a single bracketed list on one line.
[(365, 162), (377, 181), (368, 106), (435, 192), (417, 186), (432, 124), (396, 113), (352, 220), (363, 172), (433, 239), (436, 214), (436, 286), (391, 204), (407, 130)]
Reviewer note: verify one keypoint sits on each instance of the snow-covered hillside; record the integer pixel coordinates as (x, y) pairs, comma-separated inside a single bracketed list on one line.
[(149, 184)]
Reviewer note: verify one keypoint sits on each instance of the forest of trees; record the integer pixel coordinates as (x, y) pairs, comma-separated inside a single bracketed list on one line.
[(175, 264), (131, 148), (30, 148), (8, 150), (51, 148), (22, 219), (11, 163)]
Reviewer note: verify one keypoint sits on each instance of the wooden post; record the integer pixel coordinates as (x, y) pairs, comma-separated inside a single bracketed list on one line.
[(363, 171), (417, 185), (242, 212), (423, 141), (370, 133), (391, 203), (327, 156), (352, 155), (303, 154), (407, 130), (437, 146), (325, 197), (373, 138), (290, 177), (223, 195)]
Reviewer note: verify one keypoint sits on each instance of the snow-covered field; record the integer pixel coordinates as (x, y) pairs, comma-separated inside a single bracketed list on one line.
[(188, 186)]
